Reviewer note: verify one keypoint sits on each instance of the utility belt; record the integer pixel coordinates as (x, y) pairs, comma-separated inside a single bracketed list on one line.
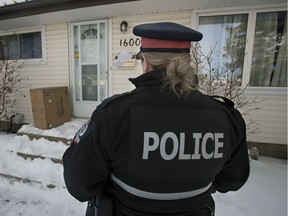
[(202, 212), (107, 205), (103, 205)]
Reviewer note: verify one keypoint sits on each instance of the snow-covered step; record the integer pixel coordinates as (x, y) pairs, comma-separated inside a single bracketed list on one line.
[(32, 157), (36, 160), (32, 136), (13, 179), (63, 133), (36, 199), (36, 170), (41, 147), (25, 156), (33, 183)]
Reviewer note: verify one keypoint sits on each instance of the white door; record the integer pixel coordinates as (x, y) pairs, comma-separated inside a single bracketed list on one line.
[(89, 66)]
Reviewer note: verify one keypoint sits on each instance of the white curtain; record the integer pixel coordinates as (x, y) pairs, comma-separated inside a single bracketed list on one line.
[(280, 73), (265, 71), (217, 31)]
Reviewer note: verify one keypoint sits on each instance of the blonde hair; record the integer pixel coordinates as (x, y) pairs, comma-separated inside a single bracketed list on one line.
[(180, 76)]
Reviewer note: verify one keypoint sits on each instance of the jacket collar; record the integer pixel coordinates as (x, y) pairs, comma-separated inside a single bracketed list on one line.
[(152, 78)]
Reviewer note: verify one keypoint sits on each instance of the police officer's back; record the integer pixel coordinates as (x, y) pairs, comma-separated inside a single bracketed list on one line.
[(164, 147)]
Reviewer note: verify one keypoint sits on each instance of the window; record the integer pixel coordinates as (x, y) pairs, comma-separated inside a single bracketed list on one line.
[(225, 37), (269, 61), (21, 46), (227, 34)]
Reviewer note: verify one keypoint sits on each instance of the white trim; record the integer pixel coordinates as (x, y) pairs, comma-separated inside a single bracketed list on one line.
[(244, 9), (252, 13), (21, 30), (236, 10), (248, 48), (110, 58), (266, 90), (194, 19), (98, 61), (159, 196), (44, 50), (41, 29), (79, 112)]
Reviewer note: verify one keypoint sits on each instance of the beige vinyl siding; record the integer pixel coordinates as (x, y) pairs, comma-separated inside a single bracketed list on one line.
[(271, 119), (119, 79), (52, 72)]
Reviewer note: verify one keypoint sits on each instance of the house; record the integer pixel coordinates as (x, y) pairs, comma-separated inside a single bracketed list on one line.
[(85, 45)]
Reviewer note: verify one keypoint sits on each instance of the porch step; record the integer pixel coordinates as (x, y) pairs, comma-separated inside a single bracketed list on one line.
[(36, 167), (14, 178), (32, 157), (29, 173), (63, 133), (32, 136)]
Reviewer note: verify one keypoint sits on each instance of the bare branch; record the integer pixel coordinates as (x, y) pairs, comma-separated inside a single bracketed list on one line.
[(11, 71), (224, 80)]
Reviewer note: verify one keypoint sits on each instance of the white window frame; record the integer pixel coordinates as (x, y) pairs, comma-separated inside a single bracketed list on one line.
[(43, 42), (252, 13)]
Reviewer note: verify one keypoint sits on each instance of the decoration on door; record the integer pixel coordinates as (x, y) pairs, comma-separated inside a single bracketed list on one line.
[(76, 52), (125, 59)]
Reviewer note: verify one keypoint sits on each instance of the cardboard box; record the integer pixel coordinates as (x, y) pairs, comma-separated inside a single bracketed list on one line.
[(50, 106)]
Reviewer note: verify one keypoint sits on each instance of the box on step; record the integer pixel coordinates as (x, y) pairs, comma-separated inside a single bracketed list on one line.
[(50, 106)]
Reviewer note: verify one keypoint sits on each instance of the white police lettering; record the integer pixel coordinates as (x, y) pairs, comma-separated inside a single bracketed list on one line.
[(147, 147), (178, 146)]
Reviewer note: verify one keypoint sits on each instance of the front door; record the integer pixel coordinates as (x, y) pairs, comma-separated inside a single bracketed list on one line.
[(89, 66)]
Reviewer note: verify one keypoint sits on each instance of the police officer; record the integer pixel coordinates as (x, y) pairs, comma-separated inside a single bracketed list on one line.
[(164, 147)]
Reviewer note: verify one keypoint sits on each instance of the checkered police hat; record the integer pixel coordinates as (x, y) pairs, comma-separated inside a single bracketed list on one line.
[(165, 37)]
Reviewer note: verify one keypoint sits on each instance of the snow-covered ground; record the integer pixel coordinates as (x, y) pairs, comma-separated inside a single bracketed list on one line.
[(265, 193)]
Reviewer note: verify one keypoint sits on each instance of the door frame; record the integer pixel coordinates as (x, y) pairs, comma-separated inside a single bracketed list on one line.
[(90, 105)]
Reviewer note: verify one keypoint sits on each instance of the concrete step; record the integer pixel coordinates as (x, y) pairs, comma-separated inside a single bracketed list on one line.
[(32, 157), (63, 133), (50, 138), (13, 178), (31, 169)]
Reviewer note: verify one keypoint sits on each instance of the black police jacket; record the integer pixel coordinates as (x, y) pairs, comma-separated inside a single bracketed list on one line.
[(156, 153)]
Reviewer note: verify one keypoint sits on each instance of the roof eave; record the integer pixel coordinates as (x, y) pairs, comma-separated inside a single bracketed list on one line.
[(45, 6)]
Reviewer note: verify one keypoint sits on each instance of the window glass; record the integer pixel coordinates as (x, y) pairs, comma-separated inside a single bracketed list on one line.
[(9, 48), (77, 70), (226, 36), (30, 45), (21, 46), (89, 82), (269, 61), (103, 62), (89, 44)]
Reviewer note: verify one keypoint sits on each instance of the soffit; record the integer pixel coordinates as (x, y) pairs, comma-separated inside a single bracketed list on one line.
[(133, 8)]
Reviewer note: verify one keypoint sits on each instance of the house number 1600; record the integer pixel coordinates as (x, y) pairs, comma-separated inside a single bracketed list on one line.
[(129, 42)]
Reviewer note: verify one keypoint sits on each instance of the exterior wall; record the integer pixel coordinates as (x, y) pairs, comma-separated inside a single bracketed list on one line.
[(119, 76), (271, 117), (53, 72)]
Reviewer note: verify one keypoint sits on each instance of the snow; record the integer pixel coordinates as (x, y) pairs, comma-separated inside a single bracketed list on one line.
[(264, 194), (67, 130)]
